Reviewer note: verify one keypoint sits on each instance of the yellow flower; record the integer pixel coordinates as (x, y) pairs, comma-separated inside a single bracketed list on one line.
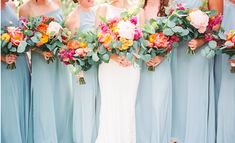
[(83, 44), (125, 44), (44, 39), (107, 39), (6, 37), (152, 38)]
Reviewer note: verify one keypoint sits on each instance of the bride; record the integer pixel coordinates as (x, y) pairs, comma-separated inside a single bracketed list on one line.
[(118, 81)]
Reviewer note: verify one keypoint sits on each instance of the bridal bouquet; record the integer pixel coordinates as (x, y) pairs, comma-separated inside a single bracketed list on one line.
[(199, 22), (81, 53), (160, 40), (45, 34), (121, 36), (13, 42)]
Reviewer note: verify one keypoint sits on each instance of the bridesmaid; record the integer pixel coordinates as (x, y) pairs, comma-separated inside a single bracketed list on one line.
[(51, 85), (15, 87), (193, 118), (84, 111), (226, 105), (153, 107)]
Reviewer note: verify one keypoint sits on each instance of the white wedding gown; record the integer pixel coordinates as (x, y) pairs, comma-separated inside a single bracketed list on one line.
[(118, 87)]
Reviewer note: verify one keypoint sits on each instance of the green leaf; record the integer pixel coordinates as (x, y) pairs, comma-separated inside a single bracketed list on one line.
[(146, 57), (95, 57), (212, 44), (106, 57), (171, 24), (21, 48), (168, 32)]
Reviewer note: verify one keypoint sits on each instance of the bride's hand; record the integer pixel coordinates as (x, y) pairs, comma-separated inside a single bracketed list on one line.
[(123, 61)]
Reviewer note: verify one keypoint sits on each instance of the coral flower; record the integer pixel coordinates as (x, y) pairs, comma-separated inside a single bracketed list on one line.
[(42, 28), (72, 44), (161, 40), (16, 37)]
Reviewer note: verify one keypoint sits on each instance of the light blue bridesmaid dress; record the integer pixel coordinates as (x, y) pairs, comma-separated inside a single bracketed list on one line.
[(193, 114), (84, 109), (153, 105), (15, 92), (226, 105), (52, 98)]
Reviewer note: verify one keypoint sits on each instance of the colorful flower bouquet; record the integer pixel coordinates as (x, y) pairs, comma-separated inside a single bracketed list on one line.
[(198, 22), (81, 53), (13, 42), (44, 34), (121, 36), (160, 39)]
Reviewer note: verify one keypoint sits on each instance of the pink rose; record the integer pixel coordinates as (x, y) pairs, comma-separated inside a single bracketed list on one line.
[(82, 52), (199, 20), (104, 28), (138, 34), (54, 28)]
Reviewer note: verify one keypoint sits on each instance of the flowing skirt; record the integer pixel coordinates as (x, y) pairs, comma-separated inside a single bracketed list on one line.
[(153, 105), (193, 97), (15, 102), (118, 87), (84, 108)]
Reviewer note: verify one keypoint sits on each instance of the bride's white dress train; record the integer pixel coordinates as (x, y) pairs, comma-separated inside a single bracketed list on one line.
[(118, 87)]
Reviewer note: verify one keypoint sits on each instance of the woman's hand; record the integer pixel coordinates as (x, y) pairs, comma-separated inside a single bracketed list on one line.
[(123, 61), (9, 59), (196, 43), (155, 61), (47, 55), (232, 63)]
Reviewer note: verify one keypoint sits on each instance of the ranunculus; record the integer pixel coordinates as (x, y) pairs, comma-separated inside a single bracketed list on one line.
[(67, 56), (113, 21), (103, 27), (125, 44), (126, 29), (174, 38), (161, 40), (215, 20), (138, 34), (42, 28), (16, 37), (44, 39), (199, 20), (133, 20), (54, 28), (73, 44)]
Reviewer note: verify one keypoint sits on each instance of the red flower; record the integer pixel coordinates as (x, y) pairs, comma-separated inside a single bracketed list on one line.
[(161, 40)]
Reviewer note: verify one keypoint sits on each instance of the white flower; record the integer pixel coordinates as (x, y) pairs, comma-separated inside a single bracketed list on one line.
[(126, 29), (199, 20), (54, 28)]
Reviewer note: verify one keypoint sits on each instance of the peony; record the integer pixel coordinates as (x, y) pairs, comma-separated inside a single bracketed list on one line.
[(54, 28), (199, 20), (138, 34), (126, 29), (161, 40)]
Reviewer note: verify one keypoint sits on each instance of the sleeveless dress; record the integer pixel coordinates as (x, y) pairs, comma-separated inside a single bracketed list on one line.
[(15, 92), (153, 105), (84, 111), (52, 98), (193, 111), (118, 87), (226, 105)]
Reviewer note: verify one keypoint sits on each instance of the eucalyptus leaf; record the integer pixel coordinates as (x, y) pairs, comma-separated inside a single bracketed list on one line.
[(21, 48)]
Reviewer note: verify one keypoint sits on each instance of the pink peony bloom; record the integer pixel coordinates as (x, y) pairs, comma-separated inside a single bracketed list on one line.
[(126, 29), (199, 20), (138, 34)]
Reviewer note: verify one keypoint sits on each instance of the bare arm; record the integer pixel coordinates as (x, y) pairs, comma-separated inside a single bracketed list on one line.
[(216, 5), (101, 11), (73, 20)]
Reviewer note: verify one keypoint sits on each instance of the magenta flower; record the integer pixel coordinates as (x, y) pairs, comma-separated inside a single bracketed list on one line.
[(138, 34), (133, 20)]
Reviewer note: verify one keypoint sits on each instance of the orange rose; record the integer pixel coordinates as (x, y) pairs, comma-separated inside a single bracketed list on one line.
[(16, 37), (72, 44)]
